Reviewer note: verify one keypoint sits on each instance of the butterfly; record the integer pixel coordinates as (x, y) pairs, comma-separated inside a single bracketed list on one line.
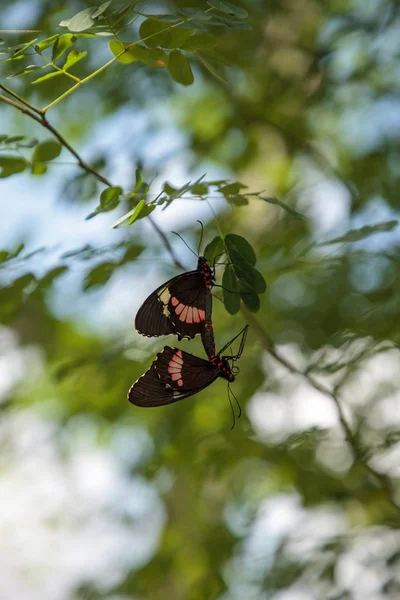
[(182, 305), (176, 374)]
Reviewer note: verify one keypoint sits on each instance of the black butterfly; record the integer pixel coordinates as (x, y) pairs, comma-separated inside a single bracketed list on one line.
[(175, 375), (182, 305)]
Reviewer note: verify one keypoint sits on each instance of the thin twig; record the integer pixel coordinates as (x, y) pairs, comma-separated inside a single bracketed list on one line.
[(20, 99), (30, 111), (380, 478)]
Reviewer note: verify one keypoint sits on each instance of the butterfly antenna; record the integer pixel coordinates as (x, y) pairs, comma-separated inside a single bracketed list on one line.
[(201, 237), (242, 333), (242, 342), (237, 402), (233, 412), (179, 236)]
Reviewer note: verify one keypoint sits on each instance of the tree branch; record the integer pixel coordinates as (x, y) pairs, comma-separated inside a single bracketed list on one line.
[(40, 117), (381, 479)]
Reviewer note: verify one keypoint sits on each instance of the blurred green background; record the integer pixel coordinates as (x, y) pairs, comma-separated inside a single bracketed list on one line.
[(103, 500)]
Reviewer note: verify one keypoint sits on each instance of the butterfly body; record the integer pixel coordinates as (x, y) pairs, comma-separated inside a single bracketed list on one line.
[(180, 306)]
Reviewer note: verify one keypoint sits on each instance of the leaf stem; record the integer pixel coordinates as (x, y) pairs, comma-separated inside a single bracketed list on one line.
[(42, 120), (20, 99), (113, 60)]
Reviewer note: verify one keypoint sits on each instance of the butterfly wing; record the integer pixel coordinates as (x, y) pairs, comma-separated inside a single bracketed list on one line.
[(173, 376), (180, 306)]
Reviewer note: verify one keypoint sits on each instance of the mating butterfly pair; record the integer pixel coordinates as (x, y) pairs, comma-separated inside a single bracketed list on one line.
[(183, 306)]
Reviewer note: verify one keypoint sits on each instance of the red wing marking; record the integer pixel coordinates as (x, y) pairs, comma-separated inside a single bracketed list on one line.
[(179, 309), (184, 314), (175, 367), (189, 314), (174, 301)]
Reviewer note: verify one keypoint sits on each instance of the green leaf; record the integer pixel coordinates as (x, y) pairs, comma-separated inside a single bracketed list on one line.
[(230, 290), (214, 249), (99, 275), (229, 9), (231, 188), (24, 47), (62, 44), (176, 38), (354, 235), (51, 275), (12, 139), (167, 18), (288, 208), (48, 76), (150, 28), (72, 58), (46, 43), (239, 244), (199, 189), (102, 8), (200, 41), (38, 168), (195, 14), (82, 20), (254, 280), (230, 23), (46, 151), (215, 71), (129, 56), (251, 302), (237, 199), (179, 68), (110, 196), (24, 71), (129, 217), (154, 57), (10, 165)]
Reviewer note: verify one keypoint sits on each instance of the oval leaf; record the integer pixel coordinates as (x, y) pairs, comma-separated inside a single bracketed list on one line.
[(176, 38), (102, 8), (252, 277), (153, 32), (24, 71), (62, 44), (110, 195), (116, 48), (130, 217), (214, 249), (240, 245), (179, 68), (46, 43), (82, 20), (48, 76), (251, 302), (47, 150), (9, 165), (354, 235), (228, 9), (230, 290), (200, 41), (72, 58)]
